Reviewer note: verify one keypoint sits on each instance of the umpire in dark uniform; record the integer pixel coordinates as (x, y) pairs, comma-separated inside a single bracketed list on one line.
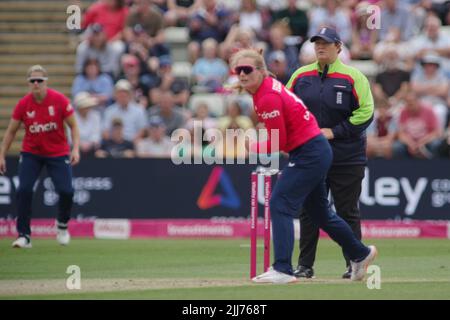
[(339, 96)]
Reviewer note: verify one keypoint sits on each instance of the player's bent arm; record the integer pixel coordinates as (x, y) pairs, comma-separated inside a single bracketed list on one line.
[(75, 133), (13, 127)]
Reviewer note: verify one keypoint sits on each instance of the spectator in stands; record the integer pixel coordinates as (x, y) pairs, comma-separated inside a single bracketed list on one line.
[(211, 20), (180, 11), (278, 33), (419, 132), (331, 15), (277, 64), (363, 38), (297, 19), (392, 82), (141, 82), (250, 17), (432, 40), (145, 33), (116, 146), (238, 38), (209, 71), (89, 123), (202, 119), (419, 11), (166, 81), (145, 14), (441, 8), (92, 80), (382, 131), (172, 115), (138, 43), (395, 15), (110, 14), (271, 5), (234, 119), (96, 47), (132, 115), (201, 115), (157, 144), (144, 29), (393, 42), (432, 86)]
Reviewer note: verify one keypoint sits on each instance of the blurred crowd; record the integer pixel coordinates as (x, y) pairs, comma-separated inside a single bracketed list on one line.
[(129, 100)]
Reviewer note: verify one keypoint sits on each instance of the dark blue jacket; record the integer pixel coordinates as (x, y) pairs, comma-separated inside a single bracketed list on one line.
[(340, 99)]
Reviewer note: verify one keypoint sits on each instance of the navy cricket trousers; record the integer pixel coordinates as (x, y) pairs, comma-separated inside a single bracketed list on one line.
[(60, 171), (302, 183)]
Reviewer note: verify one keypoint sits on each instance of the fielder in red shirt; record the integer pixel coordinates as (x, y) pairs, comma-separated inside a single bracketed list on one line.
[(302, 182), (43, 112)]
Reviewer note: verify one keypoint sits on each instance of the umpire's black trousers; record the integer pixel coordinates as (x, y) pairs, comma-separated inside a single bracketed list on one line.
[(344, 182)]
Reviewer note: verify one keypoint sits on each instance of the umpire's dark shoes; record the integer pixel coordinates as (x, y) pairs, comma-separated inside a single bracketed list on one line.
[(347, 273), (304, 272)]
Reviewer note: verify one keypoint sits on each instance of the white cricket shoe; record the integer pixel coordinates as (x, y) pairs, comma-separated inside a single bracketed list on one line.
[(273, 276), (63, 236), (359, 269), (22, 242)]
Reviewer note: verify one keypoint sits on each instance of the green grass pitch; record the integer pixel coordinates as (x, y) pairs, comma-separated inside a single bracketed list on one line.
[(212, 269)]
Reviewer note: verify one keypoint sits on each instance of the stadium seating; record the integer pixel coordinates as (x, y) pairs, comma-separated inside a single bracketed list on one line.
[(182, 69), (215, 102), (178, 39), (20, 48), (367, 67)]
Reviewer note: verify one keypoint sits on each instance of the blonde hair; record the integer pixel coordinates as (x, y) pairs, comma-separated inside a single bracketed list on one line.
[(254, 54), (37, 68)]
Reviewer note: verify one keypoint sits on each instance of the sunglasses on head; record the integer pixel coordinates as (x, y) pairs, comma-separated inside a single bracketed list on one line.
[(38, 80), (245, 69)]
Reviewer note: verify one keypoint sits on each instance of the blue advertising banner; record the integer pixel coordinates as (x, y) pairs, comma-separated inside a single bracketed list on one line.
[(415, 189), (156, 188)]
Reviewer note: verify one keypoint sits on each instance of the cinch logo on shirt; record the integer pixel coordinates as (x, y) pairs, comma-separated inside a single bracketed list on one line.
[(46, 127), (271, 115)]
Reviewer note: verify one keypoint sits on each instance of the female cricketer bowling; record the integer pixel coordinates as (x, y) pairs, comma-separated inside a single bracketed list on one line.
[(43, 112), (303, 180)]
